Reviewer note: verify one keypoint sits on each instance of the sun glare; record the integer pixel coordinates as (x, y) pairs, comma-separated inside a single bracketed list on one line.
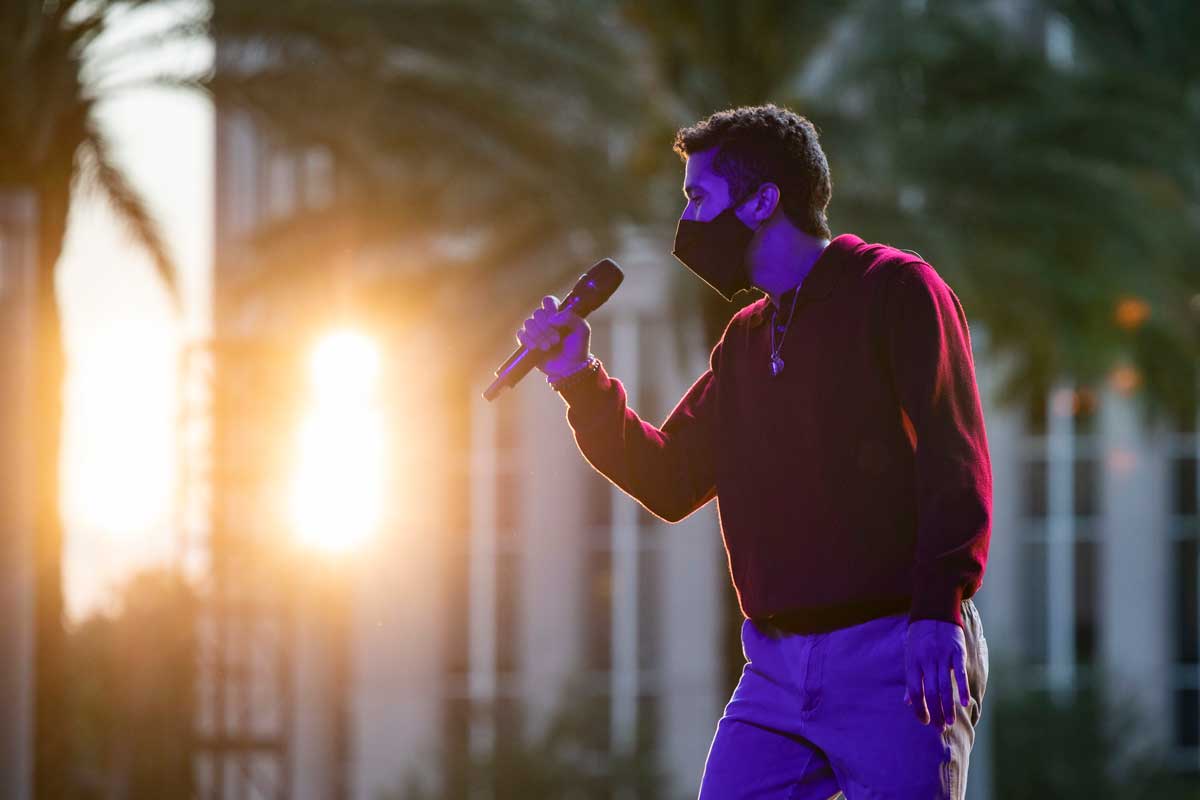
[(337, 493), (118, 471)]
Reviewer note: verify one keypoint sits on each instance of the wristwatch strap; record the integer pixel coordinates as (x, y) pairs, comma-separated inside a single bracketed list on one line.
[(589, 367)]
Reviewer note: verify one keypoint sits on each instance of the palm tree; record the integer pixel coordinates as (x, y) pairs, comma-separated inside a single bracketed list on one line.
[(474, 166), (1049, 194), (432, 139), (52, 146), (477, 147), (1138, 106), (949, 135)]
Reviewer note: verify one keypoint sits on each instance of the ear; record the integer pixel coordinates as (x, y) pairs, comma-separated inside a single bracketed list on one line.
[(764, 201)]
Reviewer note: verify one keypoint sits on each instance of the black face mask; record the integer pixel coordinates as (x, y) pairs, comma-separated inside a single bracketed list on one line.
[(716, 250)]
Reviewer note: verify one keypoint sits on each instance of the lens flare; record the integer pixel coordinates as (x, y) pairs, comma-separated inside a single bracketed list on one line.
[(337, 491)]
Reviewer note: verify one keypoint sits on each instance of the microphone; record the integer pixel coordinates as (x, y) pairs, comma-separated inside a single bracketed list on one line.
[(591, 291)]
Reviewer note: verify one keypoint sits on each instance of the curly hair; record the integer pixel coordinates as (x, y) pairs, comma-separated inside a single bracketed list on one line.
[(767, 143)]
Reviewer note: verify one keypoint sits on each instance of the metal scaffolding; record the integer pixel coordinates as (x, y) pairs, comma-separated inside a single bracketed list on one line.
[(259, 636), (245, 709)]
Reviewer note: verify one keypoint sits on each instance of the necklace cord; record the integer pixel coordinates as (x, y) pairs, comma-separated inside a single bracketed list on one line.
[(775, 350)]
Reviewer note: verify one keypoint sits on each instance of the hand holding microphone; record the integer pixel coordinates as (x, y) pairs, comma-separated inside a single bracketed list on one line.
[(555, 338), (563, 336)]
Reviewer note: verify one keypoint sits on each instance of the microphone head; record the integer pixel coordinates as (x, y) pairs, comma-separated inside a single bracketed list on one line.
[(594, 287)]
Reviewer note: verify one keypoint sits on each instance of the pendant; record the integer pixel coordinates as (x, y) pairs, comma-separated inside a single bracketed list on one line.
[(776, 365)]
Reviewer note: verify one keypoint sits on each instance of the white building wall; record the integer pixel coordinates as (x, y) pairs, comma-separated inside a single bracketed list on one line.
[(401, 627), (1135, 578), (551, 604)]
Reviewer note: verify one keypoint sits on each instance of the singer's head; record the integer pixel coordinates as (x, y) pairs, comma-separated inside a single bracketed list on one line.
[(759, 176), (735, 152)]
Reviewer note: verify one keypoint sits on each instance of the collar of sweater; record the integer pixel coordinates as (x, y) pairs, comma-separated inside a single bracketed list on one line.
[(821, 281)]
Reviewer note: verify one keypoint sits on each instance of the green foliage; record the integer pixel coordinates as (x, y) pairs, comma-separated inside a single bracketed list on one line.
[(529, 133), (568, 759), (478, 147), (132, 689), (53, 77), (1046, 193), (50, 87), (1081, 745)]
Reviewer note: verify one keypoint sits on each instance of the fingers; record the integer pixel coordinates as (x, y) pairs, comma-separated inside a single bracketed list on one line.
[(526, 339), (960, 676), (537, 335), (934, 664), (913, 693), (946, 697), (567, 320), (931, 697), (933, 707), (537, 331)]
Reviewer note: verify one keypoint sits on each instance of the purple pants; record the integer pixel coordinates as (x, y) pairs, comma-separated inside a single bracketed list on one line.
[(817, 713)]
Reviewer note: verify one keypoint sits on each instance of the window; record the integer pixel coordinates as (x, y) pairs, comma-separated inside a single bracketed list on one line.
[(508, 552), (646, 777), (456, 592), (1061, 481), (621, 550), (1087, 623), (1086, 556), (456, 543), (456, 734), (281, 184), (508, 610), (318, 177), (509, 726), (1033, 496), (1184, 486), (508, 500), (1183, 595), (597, 586), (490, 553), (1059, 41), (649, 600), (598, 502)]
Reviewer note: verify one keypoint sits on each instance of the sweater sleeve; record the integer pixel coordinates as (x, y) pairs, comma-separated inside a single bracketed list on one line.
[(934, 374), (669, 470)]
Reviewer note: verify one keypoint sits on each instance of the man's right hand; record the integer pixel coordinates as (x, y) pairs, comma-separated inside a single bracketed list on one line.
[(563, 335)]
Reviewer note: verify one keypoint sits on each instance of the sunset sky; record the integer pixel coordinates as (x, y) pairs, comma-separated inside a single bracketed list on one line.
[(122, 340)]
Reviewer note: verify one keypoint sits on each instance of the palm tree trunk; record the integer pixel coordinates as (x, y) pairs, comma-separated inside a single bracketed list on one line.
[(18, 216), (51, 706)]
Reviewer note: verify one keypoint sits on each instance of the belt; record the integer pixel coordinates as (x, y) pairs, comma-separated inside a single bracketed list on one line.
[(822, 619)]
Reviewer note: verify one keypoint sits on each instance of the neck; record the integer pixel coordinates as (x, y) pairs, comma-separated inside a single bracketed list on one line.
[(782, 259)]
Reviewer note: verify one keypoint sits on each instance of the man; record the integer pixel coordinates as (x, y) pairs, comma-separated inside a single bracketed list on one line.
[(840, 429)]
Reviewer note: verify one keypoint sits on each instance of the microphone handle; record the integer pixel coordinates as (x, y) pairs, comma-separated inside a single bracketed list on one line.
[(524, 359)]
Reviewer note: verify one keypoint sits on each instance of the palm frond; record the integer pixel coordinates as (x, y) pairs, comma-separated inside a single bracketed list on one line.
[(130, 207)]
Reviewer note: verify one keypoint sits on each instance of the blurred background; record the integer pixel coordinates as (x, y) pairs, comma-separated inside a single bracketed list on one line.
[(261, 538)]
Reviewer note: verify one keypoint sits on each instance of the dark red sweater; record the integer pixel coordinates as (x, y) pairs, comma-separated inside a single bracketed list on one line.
[(856, 483)]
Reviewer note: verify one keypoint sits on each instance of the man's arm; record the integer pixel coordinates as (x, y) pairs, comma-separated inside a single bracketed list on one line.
[(668, 470), (933, 369), (930, 357)]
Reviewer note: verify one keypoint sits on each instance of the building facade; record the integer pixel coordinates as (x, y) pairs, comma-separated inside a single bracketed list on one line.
[(511, 584)]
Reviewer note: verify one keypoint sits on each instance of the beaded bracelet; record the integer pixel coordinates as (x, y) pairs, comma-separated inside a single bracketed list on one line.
[(571, 378)]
